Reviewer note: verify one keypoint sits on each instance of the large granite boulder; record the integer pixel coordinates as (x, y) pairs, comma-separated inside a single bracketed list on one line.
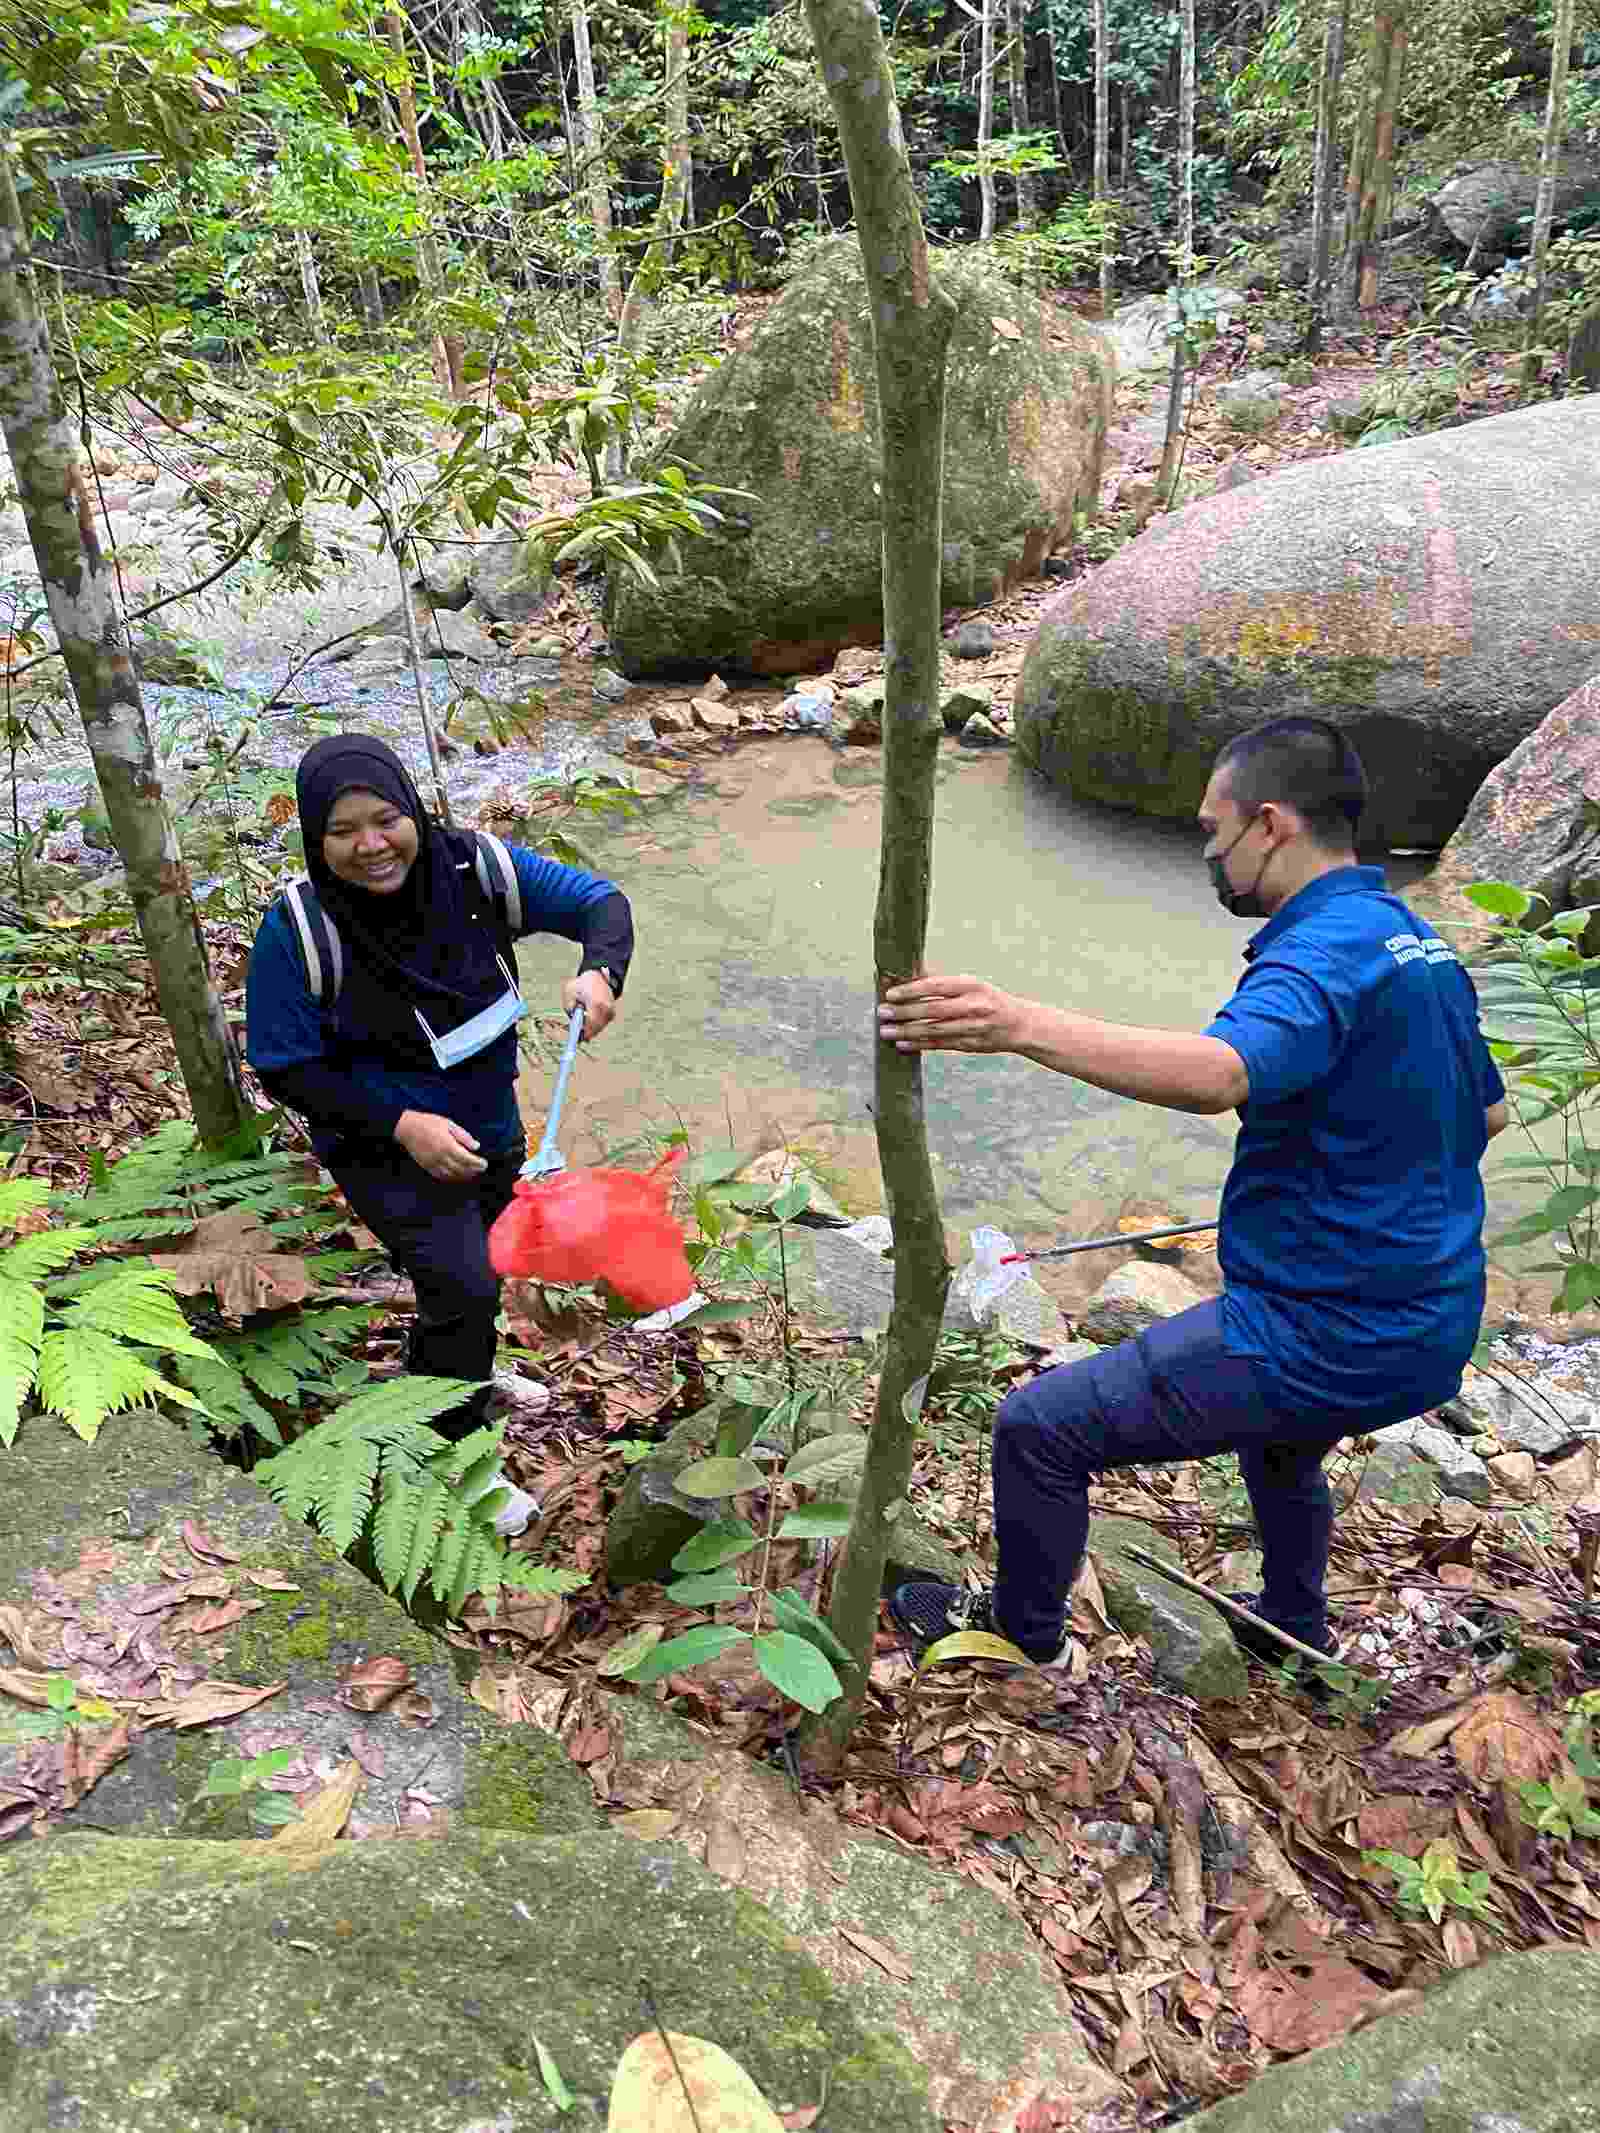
[(1511, 2046), (99, 1544), (791, 417), (1487, 208), (1437, 597), (1535, 821), (170, 1987)]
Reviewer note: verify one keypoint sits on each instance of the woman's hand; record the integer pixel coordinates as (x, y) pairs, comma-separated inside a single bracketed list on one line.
[(950, 1015), (439, 1146), (598, 1001)]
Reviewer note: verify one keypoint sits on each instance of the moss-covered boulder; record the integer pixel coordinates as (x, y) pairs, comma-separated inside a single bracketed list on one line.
[(1437, 597), (791, 417), (1193, 1647), (399, 1988), (1511, 2046), (92, 1536), (957, 1976)]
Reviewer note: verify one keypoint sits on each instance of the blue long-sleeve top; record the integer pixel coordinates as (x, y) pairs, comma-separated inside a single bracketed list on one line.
[(348, 1087)]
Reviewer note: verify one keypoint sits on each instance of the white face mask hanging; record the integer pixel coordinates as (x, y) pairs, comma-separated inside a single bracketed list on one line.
[(477, 1034)]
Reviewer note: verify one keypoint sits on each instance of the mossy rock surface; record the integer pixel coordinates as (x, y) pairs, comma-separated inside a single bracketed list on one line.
[(1193, 1647), (87, 1530), (791, 417), (398, 1988), (1511, 2046), (1436, 597)]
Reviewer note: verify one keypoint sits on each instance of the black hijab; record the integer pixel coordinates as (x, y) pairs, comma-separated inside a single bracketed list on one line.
[(431, 943)]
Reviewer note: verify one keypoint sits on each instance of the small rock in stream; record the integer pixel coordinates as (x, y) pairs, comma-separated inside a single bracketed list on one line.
[(973, 640), (610, 687)]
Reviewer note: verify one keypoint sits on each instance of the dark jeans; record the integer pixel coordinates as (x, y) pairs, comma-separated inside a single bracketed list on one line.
[(1174, 1393), (438, 1234)]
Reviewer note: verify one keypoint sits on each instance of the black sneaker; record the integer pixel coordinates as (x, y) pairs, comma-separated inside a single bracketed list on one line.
[(928, 1612), (1267, 1651)]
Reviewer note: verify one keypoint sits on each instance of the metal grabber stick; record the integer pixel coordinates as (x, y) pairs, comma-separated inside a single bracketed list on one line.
[(549, 1160)]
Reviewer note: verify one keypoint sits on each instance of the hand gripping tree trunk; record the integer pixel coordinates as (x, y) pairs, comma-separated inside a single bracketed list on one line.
[(911, 324), (47, 464)]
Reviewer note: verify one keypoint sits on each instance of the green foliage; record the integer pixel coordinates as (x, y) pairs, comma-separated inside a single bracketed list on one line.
[(1434, 1883), (1560, 1807), (233, 1777), (1064, 248), (375, 1474), (64, 1710), (1539, 993)]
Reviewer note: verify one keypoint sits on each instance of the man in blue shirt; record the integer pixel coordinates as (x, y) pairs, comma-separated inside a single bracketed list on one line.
[(1351, 1227)]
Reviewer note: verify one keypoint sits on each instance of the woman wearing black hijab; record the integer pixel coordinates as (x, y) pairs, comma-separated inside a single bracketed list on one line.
[(398, 1042)]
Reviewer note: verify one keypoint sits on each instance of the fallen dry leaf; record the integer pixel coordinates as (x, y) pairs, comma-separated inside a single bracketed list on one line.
[(56, 1091), (725, 1848), (210, 1619), (798, 2119), (369, 1754), (1401, 1822), (237, 1256), (272, 1581), (647, 1822), (373, 1684), (97, 1752), (207, 1701), (14, 1630), (884, 1957), (1297, 2009), (413, 1708), (25, 1687), (1503, 1736), (586, 1744), (307, 1841), (667, 2082), (202, 1545)]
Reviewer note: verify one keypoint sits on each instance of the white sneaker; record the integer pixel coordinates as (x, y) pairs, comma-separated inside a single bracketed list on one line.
[(518, 1511)]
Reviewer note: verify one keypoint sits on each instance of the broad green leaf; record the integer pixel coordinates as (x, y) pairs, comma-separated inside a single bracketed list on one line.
[(1581, 1286), (972, 1644), (1501, 898), (721, 1542), (550, 2074), (1569, 1202), (668, 2082), (632, 1648), (911, 1402), (84, 1376), (797, 1669), (708, 1589), (694, 1647), (790, 1612), (19, 1365), (816, 1521), (713, 1165), (21, 1313), (225, 1777), (793, 1200), (828, 1458), (19, 1196), (718, 1314), (273, 1810), (719, 1477)]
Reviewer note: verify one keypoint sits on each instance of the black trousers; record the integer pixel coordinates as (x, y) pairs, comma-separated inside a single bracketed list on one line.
[(438, 1234)]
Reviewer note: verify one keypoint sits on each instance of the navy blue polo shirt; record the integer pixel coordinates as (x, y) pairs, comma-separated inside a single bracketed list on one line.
[(1351, 1227)]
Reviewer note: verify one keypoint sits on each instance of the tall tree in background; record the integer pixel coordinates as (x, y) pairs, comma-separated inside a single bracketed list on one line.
[(1167, 479), (676, 178), (1017, 82), (1555, 126), (47, 463), (594, 161), (1371, 185), (984, 14), (1330, 79), (912, 320), (1102, 144), (447, 352)]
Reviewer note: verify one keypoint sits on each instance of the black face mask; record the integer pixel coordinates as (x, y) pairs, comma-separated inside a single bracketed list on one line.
[(1238, 903)]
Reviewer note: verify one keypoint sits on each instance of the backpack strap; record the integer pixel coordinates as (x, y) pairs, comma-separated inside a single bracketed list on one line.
[(497, 877), (321, 950)]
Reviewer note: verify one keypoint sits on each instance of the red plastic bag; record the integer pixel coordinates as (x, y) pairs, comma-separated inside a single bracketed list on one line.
[(597, 1225)]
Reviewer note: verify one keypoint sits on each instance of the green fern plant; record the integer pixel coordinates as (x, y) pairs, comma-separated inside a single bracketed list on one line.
[(84, 1354), (374, 1474)]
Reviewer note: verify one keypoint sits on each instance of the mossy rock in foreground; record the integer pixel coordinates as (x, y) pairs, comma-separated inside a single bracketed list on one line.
[(1512, 2046), (398, 1988), (97, 1525)]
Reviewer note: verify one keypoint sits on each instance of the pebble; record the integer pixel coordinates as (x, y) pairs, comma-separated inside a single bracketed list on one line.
[(973, 640), (981, 732), (610, 686)]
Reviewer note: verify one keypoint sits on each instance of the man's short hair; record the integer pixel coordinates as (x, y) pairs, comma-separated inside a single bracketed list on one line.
[(1304, 763)]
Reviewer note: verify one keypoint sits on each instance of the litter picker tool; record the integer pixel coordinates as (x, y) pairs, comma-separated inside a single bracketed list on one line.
[(1099, 1244), (549, 1160)]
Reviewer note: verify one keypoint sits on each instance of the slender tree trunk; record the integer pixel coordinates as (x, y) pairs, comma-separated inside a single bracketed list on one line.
[(1377, 160), (912, 322), (1125, 145), (371, 291), (1017, 86), (47, 465), (310, 286), (1053, 62), (1555, 126), (634, 321), (1329, 81), (985, 118), (1102, 143), (1166, 481), (447, 352), (594, 161)]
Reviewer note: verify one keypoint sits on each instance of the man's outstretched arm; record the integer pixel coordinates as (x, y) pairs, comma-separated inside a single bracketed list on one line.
[(1180, 1071)]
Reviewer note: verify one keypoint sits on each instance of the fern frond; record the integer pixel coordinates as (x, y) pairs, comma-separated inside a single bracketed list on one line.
[(403, 1400), (19, 1196), (528, 1576), (433, 1508), (345, 1491), (228, 1399), (19, 1366), (456, 1557), (85, 1375), (137, 1304), (394, 1528), (43, 1252), (21, 1313)]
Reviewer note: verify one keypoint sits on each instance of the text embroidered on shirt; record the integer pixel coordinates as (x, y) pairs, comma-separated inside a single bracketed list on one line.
[(1410, 948)]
